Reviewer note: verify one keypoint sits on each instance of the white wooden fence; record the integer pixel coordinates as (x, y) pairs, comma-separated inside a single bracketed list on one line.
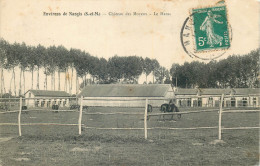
[(145, 128)]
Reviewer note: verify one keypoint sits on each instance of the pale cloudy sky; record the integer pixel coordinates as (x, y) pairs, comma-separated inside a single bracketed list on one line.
[(147, 36), (104, 36)]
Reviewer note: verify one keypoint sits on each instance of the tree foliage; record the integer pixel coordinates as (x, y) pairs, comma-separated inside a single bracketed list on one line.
[(235, 72)]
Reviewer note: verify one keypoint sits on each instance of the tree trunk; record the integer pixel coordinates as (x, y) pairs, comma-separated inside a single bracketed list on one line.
[(71, 82), (38, 75), (77, 83), (54, 80), (59, 79), (32, 77), (4, 90), (65, 83), (45, 84), (20, 83), (14, 82), (23, 83), (11, 81), (3, 82), (68, 81), (85, 80)]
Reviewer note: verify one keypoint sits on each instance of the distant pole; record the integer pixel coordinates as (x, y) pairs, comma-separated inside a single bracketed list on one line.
[(19, 117), (176, 82), (145, 119), (220, 116), (80, 114)]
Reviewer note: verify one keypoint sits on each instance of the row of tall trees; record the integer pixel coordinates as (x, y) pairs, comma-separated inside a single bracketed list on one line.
[(56, 60), (235, 72), (75, 65)]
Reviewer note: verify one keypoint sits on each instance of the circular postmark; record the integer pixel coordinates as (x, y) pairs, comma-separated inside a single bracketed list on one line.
[(205, 35)]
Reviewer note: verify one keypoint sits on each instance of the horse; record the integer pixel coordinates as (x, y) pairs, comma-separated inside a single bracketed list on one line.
[(170, 108)]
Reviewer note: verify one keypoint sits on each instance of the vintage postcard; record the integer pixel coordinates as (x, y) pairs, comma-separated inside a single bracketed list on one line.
[(127, 82)]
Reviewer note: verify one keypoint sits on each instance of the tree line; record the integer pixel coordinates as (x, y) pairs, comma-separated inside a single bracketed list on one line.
[(55, 60), (234, 72)]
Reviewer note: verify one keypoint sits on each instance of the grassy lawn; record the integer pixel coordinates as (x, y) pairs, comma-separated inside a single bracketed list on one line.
[(61, 145)]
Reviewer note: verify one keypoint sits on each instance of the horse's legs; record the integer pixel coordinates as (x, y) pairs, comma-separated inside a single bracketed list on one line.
[(163, 110)]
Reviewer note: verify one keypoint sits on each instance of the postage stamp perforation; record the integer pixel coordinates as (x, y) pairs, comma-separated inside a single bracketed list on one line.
[(217, 18), (192, 55), (207, 21)]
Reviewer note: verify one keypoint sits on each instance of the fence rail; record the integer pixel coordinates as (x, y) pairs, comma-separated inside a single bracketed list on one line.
[(186, 112), (240, 111), (34, 98), (38, 124), (220, 111)]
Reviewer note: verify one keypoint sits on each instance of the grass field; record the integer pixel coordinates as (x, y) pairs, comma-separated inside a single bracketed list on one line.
[(61, 145)]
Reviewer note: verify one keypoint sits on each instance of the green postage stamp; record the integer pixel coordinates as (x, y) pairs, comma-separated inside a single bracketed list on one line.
[(210, 28)]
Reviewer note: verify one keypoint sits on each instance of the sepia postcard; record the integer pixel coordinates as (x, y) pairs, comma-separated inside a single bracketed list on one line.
[(127, 82)]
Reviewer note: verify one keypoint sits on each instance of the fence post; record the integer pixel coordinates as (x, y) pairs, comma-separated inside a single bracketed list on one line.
[(220, 116), (19, 117), (145, 119), (80, 114)]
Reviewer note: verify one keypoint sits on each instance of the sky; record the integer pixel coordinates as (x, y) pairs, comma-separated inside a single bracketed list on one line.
[(105, 35)]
